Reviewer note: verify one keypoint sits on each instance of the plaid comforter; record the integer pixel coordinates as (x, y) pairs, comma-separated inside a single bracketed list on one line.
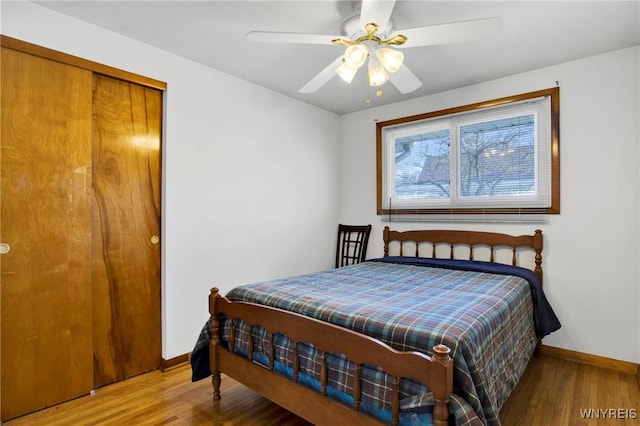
[(487, 321)]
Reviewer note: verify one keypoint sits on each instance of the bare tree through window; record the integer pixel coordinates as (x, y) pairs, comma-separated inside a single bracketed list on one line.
[(497, 158)]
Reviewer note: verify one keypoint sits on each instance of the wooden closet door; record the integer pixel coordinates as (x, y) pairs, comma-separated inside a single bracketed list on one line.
[(126, 227), (46, 223)]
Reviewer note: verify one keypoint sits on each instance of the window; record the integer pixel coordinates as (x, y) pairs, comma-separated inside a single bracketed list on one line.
[(500, 156)]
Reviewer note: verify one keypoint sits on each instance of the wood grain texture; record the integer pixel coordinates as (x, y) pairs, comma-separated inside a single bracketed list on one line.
[(63, 126), (551, 392), (157, 398), (126, 183), (65, 58), (46, 219)]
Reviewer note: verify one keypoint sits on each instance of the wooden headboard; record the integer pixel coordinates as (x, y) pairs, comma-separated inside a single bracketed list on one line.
[(470, 239)]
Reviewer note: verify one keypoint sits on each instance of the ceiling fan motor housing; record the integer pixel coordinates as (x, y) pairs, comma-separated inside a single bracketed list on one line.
[(351, 28)]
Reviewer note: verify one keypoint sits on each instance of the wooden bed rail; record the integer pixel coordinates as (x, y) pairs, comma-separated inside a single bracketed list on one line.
[(470, 239), (434, 372)]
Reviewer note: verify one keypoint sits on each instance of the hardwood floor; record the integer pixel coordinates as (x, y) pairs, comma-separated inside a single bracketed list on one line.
[(552, 392)]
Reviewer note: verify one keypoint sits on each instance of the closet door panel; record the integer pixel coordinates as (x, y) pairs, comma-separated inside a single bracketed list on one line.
[(46, 348), (126, 224)]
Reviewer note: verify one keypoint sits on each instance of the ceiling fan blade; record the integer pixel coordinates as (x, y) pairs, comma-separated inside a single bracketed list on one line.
[(275, 37), (377, 12), (453, 32), (405, 80), (322, 77)]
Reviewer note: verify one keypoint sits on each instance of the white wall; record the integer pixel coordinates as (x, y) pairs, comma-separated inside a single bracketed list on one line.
[(225, 139), (233, 210), (591, 250)]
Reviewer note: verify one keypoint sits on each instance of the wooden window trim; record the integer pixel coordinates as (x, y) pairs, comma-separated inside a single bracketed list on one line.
[(554, 208)]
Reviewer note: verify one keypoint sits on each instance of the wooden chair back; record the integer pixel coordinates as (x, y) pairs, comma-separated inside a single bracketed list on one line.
[(351, 247)]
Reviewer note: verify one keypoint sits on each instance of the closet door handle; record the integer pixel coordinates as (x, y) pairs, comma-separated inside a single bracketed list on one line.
[(155, 239), (4, 248)]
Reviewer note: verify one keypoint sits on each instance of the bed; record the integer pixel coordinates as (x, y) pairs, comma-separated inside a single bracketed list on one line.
[(427, 334)]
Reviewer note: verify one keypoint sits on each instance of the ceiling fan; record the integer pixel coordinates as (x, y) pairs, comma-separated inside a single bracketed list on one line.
[(369, 35)]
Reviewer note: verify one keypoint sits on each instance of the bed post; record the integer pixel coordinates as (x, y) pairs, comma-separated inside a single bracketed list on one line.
[(214, 332), (385, 237), (442, 384), (537, 246)]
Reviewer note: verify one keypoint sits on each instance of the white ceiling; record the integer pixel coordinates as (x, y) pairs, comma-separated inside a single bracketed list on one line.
[(534, 34)]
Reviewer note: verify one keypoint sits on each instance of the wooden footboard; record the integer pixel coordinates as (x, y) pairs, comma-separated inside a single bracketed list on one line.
[(434, 372)]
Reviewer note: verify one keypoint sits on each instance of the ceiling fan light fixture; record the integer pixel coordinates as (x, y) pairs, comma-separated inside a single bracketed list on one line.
[(356, 55), (390, 59), (377, 75), (346, 72)]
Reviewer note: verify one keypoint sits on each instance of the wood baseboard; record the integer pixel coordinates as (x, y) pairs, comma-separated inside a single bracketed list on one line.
[(174, 362), (625, 367)]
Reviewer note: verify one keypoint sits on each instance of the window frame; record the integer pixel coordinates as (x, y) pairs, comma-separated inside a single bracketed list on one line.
[(554, 167)]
